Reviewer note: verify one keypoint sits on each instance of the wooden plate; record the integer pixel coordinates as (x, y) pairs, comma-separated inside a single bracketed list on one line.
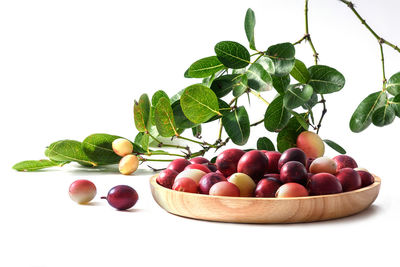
[(264, 210)]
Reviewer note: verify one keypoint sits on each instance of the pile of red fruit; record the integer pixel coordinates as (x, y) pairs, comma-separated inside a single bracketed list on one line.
[(260, 173)]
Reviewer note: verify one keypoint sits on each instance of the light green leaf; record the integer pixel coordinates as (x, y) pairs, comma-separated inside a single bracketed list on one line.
[(276, 116), (98, 148), (141, 112), (296, 95), (263, 143), (249, 23), (267, 64), (164, 118), (34, 165), (258, 78), (325, 80), (232, 54), (283, 57), (300, 72), (180, 118), (241, 86), (237, 125), (335, 146), (393, 84), (68, 150), (205, 67)]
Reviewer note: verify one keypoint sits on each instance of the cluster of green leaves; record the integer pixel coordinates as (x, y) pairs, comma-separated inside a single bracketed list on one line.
[(94, 150), (379, 108), (228, 75)]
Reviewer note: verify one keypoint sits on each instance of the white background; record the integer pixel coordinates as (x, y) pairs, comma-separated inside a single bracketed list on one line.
[(72, 68)]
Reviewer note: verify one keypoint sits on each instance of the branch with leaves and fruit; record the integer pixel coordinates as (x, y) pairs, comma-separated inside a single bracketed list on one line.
[(288, 88)]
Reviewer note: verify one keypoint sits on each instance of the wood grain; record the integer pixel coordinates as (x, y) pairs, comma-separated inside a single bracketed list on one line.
[(264, 210)]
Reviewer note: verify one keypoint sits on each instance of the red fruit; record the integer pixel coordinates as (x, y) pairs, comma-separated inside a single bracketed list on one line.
[(344, 161), (166, 178), (199, 160), (293, 172), (366, 178), (224, 188), (253, 163), (82, 191), (273, 159), (277, 176), (349, 178), (208, 180), (227, 161), (292, 154), (122, 197), (178, 165), (291, 190), (211, 167), (267, 187), (185, 185), (323, 184), (196, 166), (308, 163)]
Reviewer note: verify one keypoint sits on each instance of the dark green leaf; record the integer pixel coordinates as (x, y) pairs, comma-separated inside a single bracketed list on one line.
[(280, 83), (164, 118), (249, 23), (300, 72), (237, 125), (98, 147), (224, 108), (258, 78), (301, 119), (241, 86), (296, 95), (186, 74), (395, 103), (180, 118), (325, 80), (335, 146), (34, 165), (214, 159), (197, 131), (263, 143), (205, 67), (68, 150), (233, 55), (383, 116), (393, 84), (283, 57), (276, 116), (288, 136), (199, 103), (362, 116), (141, 111), (224, 85), (177, 96), (311, 102)]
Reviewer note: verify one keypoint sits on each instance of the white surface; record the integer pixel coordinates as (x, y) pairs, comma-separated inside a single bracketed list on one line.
[(72, 68)]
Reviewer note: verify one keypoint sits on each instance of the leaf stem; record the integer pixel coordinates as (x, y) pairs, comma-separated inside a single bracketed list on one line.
[(307, 34), (383, 68), (257, 123), (194, 141), (161, 160), (324, 110), (161, 144), (220, 130), (258, 95)]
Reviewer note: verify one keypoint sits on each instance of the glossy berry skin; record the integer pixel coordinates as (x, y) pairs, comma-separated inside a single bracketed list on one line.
[(122, 147), (253, 163), (291, 190), (227, 161), (224, 188), (208, 180), (293, 172), (323, 164), (276, 176), (311, 144), (199, 160), (178, 165), (273, 159), (82, 191), (308, 163), (185, 185), (122, 197), (323, 184), (344, 161), (292, 154), (196, 166), (267, 187), (349, 178), (211, 167), (244, 182), (193, 174), (366, 178), (166, 178)]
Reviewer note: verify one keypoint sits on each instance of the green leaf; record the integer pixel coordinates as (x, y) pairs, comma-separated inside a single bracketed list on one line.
[(296, 95), (283, 57), (205, 67), (267, 64), (276, 116), (224, 108), (164, 118), (208, 80), (141, 112), (300, 72), (395, 104), (325, 80), (233, 55), (180, 119), (335, 146), (239, 71), (224, 85), (241, 86), (237, 125), (362, 116), (393, 84), (98, 148), (383, 116), (186, 74), (302, 120), (68, 150), (249, 24), (311, 102), (287, 137), (263, 143), (177, 96), (34, 165), (280, 83), (157, 96), (197, 131), (199, 103), (258, 78)]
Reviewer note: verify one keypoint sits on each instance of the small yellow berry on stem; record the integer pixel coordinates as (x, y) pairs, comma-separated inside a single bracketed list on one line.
[(122, 147), (128, 164)]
